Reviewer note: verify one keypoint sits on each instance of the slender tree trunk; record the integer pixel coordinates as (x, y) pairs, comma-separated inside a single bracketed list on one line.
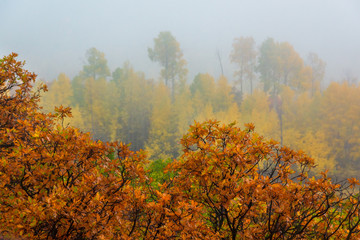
[(172, 89), (251, 85), (220, 62)]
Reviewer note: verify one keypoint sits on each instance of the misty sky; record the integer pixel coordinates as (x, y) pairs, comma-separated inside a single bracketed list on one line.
[(53, 36)]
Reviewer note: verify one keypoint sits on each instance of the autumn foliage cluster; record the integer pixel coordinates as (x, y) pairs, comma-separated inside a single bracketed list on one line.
[(283, 94), (58, 183)]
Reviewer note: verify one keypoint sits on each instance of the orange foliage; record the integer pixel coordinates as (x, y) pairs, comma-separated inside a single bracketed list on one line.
[(247, 188), (57, 183)]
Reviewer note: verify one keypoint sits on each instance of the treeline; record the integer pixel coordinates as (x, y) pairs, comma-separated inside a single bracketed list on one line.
[(275, 89)]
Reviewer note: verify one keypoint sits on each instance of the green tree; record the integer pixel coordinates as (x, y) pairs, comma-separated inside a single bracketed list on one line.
[(96, 66), (267, 65), (167, 52)]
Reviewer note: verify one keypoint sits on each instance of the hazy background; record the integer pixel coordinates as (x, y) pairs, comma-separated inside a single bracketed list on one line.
[(53, 36)]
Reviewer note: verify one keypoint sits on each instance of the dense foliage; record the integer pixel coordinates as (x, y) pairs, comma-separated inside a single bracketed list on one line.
[(58, 183), (274, 88)]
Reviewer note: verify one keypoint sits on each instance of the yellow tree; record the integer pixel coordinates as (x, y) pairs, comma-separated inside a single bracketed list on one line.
[(184, 109), (96, 68), (223, 95), (256, 109), (96, 108), (279, 64), (301, 130), (340, 115), (203, 92), (232, 114), (244, 56), (162, 140), (60, 93), (130, 99), (318, 71), (314, 144)]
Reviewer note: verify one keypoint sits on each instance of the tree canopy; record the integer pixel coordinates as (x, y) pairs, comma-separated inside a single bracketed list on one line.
[(167, 52)]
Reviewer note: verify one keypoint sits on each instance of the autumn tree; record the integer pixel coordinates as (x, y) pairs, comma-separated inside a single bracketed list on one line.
[(256, 109), (130, 95), (318, 71), (96, 108), (60, 93), (279, 64), (184, 109), (339, 113), (302, 128), (57, 183), (244, 56), (162, 141), (95, 67), (167, 52), (240, 186), (267, 65), (202, 91), (89, 94)]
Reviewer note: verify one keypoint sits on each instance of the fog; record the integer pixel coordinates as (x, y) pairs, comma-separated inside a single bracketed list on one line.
[(53, 36)]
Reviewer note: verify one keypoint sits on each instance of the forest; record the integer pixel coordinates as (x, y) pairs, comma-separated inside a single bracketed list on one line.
[(115, 155), (283, 95)]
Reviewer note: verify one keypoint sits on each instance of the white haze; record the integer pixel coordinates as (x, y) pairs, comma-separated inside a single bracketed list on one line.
[(53, 36)]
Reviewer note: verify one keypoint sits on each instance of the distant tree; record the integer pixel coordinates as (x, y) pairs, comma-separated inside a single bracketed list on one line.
[(96, 108), (96, 65), (203, 92), (60, 93), (184, 110), (244, 56), (96, 68), (257, 109), (267, 65), (167, 52), (223, 95), (89, 93), (339, 112), (279, 64), (130, 101), (318, 71), (162, 141)]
